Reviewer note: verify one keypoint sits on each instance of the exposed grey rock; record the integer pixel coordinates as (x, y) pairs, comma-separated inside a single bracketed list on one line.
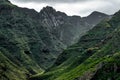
[(36, 32)]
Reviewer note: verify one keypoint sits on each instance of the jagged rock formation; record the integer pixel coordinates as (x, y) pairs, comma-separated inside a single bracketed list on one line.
[(68, 29), (96, 56), (30, 41), (65, 28)]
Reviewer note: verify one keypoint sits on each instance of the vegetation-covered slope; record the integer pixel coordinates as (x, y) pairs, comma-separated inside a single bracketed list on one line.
[(30, 41), (94, 57)]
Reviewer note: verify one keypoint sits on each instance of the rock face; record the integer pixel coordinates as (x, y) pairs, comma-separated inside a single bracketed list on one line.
[(68, 29), (95, 17), (96, 56), (65, 28), (31, 41)]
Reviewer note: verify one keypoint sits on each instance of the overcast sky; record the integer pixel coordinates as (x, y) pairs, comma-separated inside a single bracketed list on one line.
[(72, 7)]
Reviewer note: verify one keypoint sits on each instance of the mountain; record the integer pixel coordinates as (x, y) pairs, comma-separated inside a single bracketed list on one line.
[(62, 26), (68, 29), (31, 41), (95, 56), (95, 17)]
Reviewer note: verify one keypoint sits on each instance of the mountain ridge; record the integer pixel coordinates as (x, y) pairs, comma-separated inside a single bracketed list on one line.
[(94, 57), (94, 15), (30, 42)]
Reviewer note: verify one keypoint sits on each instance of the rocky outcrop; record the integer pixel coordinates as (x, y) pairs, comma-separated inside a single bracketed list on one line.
[(31, 40)]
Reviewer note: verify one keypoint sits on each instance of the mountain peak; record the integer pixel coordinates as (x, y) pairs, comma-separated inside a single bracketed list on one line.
[(51, 11), (48, 9), (95, 17), (96, 13)]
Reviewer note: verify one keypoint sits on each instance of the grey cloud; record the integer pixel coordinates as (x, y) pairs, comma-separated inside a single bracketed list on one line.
[(51, 1), (73, 7)]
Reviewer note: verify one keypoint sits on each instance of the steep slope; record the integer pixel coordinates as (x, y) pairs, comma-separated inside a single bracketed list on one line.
[(30, 42), (52, 31), (94, 57), (15, 59), (95, 17), (65, 28), (68, 29), (21, 43)]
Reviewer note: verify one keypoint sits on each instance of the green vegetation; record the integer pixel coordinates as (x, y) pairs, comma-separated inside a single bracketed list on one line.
[(94, 57), (28, 46)]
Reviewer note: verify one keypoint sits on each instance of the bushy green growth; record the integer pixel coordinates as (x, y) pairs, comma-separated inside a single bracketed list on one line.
[(92, 57), (24, 44), (9, 70), (110, 69)]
